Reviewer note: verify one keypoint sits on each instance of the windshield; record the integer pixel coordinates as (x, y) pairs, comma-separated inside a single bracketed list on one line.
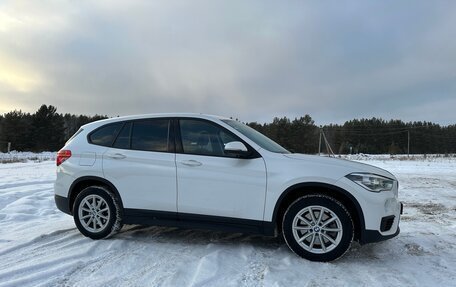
[(257, 137)]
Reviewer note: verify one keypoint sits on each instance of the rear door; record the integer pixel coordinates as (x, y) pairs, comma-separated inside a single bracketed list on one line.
[(141, 165)]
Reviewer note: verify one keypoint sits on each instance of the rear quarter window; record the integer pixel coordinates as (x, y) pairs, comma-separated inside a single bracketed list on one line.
[(105, 135)]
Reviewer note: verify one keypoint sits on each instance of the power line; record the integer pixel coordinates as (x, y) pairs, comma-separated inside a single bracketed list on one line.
[(363, 129), (367, 133)]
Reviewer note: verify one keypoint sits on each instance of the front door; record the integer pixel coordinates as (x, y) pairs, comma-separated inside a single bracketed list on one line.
[(211, 182)]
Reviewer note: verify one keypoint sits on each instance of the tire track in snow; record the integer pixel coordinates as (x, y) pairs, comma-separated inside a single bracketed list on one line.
[(12, 185), (32, 243), (34, 257), (13, 197)]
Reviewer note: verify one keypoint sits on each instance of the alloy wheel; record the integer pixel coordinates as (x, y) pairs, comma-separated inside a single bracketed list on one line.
[(317, 229), (94, 213)]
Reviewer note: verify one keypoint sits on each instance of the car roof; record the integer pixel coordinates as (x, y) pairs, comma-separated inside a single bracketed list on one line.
[(156, 115)]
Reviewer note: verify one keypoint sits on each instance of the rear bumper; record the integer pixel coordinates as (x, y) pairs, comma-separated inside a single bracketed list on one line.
[(371, 236), (62, 204)]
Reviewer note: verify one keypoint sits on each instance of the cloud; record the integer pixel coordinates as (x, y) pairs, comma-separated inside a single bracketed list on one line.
[(16, 76), (247, 59)]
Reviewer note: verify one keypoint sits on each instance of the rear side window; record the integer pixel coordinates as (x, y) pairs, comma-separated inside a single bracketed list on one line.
[(123, 139), (151, 135), (105, 135)]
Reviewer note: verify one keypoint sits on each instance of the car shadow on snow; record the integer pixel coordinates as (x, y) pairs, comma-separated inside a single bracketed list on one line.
[(175, 235), (200, 238)]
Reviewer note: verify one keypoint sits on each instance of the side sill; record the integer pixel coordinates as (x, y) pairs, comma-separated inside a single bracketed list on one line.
[(197, 221)]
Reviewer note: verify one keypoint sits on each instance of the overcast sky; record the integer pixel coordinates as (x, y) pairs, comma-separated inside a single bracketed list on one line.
[(334, 60)]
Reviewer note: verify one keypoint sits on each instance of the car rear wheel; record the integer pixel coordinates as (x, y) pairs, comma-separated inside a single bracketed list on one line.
[(318, 228), (97, 213)]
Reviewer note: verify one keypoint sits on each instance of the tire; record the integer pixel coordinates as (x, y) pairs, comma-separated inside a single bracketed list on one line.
[(304, 235), (96, 213)]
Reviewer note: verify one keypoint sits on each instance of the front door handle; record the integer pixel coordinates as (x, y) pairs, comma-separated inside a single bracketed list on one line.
[(116, 156), (191, 162)]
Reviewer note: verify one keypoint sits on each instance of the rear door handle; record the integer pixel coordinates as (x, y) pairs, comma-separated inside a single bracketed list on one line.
[(191, 162), (116, 156)]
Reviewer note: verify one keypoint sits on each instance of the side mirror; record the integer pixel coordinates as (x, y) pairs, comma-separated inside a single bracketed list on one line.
[(236, 148)]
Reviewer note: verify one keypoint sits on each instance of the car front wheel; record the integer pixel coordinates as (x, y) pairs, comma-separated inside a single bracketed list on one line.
[(96, 213), (318, 228)]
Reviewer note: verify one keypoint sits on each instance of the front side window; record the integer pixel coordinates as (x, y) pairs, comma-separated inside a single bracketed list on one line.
[(105, 135), (203, 138), (150, 135)]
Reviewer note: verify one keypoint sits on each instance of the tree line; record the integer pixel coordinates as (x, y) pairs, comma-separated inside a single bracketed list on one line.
[(44, 130), (48, 130), (374, 136)]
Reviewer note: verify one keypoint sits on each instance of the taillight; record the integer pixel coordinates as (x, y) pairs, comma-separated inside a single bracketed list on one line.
[(62, 156)]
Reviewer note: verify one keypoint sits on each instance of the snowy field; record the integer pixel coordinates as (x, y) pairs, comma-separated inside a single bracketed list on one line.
[(15, 156), (40, 246)]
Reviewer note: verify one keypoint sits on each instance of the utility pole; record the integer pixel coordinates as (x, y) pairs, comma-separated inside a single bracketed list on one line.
[(328, 146), (9, 147), (408, 143), (319, 143)]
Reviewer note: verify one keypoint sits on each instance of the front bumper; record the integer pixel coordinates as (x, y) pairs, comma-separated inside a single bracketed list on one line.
[(371, 236)]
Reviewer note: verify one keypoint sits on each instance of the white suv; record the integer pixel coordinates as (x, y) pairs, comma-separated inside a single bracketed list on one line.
[(201, 171)]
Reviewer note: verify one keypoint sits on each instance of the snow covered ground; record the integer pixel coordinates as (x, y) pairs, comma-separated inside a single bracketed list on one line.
[(40, 246), (15, 156)]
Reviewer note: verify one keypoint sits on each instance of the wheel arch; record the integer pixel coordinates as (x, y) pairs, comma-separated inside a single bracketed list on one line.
[(85, 181), (295, 191)]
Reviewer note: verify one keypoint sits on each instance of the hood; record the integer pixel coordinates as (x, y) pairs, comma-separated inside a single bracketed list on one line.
[(349, 166)]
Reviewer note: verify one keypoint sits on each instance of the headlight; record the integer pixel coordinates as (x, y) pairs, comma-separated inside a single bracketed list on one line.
[(372, 182)]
